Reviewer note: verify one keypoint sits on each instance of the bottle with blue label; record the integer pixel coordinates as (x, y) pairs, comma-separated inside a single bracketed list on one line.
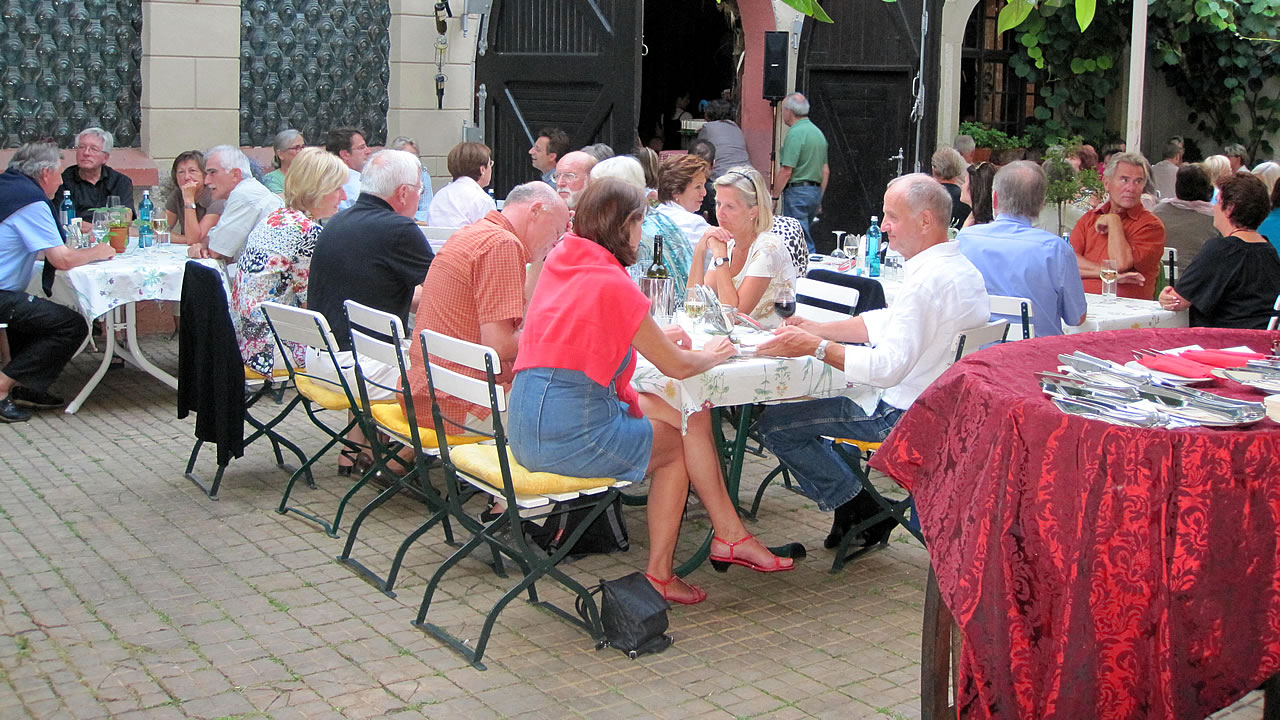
[(873, 247), (145, 208), (67, 211)]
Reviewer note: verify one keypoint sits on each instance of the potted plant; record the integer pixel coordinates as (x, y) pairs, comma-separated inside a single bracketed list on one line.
[(1066, 185)]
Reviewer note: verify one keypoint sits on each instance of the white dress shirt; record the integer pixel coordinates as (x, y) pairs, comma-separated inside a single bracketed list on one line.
[(351, 188), (910, 341), (248, 203), (691, 224), (459, 203)]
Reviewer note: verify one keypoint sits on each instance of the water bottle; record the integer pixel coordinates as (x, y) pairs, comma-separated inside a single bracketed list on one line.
[(873, 247), (67, 211), (145, 209)]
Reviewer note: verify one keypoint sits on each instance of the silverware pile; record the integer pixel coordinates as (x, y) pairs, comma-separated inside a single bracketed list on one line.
[(1107, 391)]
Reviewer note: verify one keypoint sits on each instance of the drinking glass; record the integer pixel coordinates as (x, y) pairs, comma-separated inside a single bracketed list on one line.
[(839, 251), (1109, 273), (113, 201), (784, 302), (694, 307), (851, 246), (160, 226), (101, 224)]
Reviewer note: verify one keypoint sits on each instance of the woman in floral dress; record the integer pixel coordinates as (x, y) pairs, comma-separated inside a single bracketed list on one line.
[(276, 261)]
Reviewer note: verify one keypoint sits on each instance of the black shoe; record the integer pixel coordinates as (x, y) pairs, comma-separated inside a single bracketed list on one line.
[(846, 517), (11, 413), (857, 509), (32, 398)]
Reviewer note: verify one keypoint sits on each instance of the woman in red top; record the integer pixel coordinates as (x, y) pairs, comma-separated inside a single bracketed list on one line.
[(573, 410)]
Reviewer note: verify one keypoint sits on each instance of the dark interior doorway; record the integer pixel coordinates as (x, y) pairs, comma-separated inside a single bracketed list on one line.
[(693, 46)]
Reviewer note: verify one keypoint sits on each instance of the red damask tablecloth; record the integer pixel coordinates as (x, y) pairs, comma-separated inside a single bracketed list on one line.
[(1095, 570)]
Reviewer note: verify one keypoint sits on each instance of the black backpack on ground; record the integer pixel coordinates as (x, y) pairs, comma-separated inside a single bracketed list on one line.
[(607, 534)]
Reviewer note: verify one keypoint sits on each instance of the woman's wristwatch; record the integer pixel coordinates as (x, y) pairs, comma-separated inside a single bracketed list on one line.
[(717, 262), (190, 206)]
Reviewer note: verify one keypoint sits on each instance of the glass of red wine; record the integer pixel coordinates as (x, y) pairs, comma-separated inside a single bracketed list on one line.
[(784, 302)]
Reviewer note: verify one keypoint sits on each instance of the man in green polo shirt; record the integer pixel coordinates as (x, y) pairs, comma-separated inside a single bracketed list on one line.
[(802, 178)]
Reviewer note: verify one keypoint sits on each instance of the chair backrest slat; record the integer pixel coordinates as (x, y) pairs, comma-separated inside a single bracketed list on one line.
[(374, 321), (1275, 319), (974, 339), (830, 292), (463, 387), (461, 352), (437, 236), (296, 325), (438, 348), (373, 348), (1017, 307)]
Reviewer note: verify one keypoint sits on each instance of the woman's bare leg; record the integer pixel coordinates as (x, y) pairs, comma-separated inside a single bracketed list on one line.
[(668, 492)]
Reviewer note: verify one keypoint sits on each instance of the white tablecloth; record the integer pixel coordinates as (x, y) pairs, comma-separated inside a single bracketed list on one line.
[(96, 288)]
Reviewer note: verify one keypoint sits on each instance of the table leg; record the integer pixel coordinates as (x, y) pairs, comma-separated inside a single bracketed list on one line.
[(936, 656), (135, 350), (108, 352)]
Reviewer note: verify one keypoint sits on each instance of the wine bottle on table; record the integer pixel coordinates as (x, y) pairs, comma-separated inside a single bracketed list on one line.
[(656, 269)]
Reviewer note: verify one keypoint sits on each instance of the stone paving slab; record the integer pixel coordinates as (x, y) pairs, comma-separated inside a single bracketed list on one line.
[(126, 593)]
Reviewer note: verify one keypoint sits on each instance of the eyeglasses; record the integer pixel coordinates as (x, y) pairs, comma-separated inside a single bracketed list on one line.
[(91, 149), (569, 177), (421, 188), (295, 148)]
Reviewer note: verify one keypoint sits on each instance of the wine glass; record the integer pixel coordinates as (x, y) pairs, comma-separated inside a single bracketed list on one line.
[(160, 226), (101, 224), (838, 252), (851, 246), (784, 302), (1109, 273)]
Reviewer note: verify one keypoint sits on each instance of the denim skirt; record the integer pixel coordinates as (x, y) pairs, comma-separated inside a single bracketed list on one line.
[(563, 422)]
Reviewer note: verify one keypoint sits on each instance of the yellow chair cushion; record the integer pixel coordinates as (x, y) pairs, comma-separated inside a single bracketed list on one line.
[(390, 415), (864, 446), (251, 375), (328, 396), (481, 461)]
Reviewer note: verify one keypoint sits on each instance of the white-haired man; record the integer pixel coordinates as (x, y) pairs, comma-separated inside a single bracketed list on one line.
[(573, 172), (90, 180), (229, 177), (372, 252), (43, 336), (905, 349), (1019, 260), (803, 171)]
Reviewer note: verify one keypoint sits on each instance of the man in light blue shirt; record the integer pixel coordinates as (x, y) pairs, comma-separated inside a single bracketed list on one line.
[(1018, 260), (43, 336)]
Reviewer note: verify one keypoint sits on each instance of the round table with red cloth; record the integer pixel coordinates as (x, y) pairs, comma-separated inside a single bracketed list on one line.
[(1095, 570)]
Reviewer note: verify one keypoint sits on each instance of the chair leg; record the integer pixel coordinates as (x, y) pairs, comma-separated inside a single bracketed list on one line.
[(764, 485), (335, 438), (889, 508)]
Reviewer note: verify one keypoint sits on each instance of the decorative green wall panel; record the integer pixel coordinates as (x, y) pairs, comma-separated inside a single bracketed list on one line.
[(70, 64), (313, 66)]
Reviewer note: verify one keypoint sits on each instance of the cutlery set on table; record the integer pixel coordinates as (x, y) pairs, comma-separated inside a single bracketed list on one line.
[(1155, 391)]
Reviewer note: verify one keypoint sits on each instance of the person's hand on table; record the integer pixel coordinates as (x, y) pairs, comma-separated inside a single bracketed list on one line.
[(102, 251), (789, 341), (198, 250), (1170, 300), (806, 324), (678, 336), (720, 348), (1132, 277)]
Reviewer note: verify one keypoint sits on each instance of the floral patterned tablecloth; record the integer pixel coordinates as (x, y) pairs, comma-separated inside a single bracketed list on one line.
[(741, 381), (153, 274)]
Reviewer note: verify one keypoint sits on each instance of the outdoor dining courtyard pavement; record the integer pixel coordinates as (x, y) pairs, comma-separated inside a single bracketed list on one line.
[(126, 593)]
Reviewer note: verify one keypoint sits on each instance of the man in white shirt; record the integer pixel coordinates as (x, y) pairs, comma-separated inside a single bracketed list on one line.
[(350, 146), (228, 176), (907, 348)]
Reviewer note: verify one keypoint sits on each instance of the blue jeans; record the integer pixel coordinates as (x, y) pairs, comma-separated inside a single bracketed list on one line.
[(795, 432), (801, 202)]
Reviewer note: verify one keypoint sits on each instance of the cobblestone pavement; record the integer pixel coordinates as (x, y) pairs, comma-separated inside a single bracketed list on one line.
[(128, 594)]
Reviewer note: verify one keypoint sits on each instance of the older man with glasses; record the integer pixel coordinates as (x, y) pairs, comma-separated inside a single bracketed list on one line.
[(91, 182)]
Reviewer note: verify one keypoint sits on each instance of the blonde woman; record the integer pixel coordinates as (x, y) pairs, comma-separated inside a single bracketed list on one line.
[(742, 260), (276, 261)]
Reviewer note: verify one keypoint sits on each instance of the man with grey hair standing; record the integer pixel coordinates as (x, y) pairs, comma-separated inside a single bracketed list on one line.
[(1164, 174), (803, 171), (965, 145), (90, 180), (1019, 260), (901, 350), (43, 336), (228, 176), (373, 252)]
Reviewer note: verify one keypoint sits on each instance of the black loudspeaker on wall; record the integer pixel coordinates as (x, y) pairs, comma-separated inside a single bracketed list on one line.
[(775, 65)]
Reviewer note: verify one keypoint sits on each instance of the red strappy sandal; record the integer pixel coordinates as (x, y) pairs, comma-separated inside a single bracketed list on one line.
[(699, 593), (721, 564)]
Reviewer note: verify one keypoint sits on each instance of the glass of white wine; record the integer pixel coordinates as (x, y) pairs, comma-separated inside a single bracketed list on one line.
[(160, 226), (851, 246), (1109, 273)]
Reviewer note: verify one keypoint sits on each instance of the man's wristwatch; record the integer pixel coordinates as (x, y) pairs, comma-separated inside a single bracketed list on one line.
[(719, 261), (821, 352)]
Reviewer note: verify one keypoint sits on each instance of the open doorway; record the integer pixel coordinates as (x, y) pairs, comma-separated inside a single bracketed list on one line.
[(693, 49)]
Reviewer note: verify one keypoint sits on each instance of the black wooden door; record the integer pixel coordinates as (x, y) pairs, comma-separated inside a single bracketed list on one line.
[(858, 74), (571, 64)]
